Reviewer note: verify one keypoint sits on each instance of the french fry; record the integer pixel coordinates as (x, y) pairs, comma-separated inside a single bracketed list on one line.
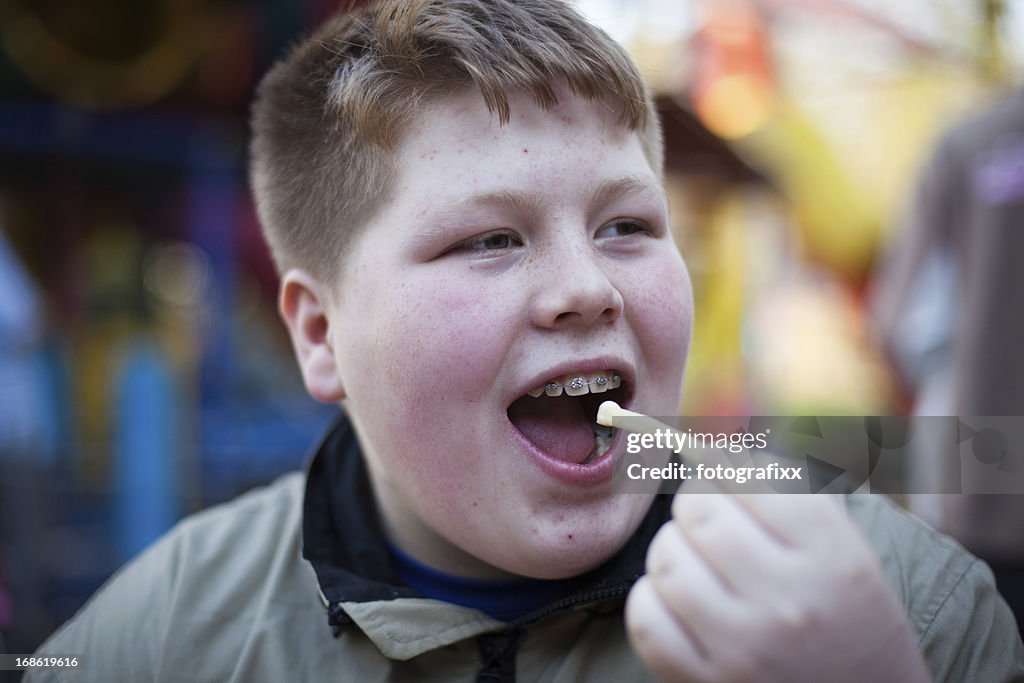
[(609, 410)]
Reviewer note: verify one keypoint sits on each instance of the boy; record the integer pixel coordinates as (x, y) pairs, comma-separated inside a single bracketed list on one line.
[(463, 198)]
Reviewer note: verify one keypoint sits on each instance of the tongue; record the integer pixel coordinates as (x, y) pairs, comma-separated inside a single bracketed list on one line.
[(558, 426)]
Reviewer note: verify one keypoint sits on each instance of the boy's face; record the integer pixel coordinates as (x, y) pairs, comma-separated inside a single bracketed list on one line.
[(509, 257)]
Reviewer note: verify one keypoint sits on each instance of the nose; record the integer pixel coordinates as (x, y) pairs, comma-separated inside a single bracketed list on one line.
[(574, 290)]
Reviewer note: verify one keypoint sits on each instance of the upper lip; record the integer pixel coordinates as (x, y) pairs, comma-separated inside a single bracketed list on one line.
[(579, 367)]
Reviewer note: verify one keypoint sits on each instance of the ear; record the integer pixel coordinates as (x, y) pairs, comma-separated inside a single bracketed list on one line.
[(304, 308)]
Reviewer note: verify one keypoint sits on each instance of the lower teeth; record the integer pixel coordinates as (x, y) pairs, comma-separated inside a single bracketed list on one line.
[(602, 442)]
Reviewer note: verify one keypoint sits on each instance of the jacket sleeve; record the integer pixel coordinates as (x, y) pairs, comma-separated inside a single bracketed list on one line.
[(966, 632), (216, 599), (120, 632), (974, 636)]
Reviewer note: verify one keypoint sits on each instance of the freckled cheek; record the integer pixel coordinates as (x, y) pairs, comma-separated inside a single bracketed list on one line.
[(663, 307), (432, 352), (449, 336)]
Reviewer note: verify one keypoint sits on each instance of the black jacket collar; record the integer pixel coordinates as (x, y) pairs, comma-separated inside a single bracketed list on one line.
[(343, 540)]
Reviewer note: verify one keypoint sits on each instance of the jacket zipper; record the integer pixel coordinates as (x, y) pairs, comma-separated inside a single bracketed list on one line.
[(498, 650), (565, 604)]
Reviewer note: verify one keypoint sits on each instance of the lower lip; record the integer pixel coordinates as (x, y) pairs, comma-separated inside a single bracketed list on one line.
[(598, 472)]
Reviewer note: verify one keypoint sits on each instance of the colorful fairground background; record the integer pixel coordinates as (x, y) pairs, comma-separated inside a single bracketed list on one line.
[(144, 373)]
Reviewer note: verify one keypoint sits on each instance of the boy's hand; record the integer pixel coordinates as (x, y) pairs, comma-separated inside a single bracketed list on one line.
[(768, 588)]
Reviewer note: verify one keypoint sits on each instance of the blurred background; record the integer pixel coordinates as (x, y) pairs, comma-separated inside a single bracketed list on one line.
[(143, 371)]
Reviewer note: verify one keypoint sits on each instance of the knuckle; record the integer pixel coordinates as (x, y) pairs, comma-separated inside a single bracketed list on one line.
[(794, 618), (659, 562), (692, 508)]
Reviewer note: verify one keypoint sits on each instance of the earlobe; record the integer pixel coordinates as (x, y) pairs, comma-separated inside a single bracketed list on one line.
[(303, 306)]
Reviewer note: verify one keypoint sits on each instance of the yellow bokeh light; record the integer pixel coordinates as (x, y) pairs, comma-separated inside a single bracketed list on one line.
[(734, 106)]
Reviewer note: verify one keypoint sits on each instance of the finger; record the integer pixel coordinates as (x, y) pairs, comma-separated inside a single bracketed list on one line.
[(735, 546), (665, 645), (691, 589), (795, 519)]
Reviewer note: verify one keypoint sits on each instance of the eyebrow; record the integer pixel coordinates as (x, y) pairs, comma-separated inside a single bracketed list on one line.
[(619, 187), (607, 191)]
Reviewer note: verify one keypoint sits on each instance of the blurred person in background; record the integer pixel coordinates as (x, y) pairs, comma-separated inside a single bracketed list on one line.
[(948, 305), (24, 450), (22, 431)]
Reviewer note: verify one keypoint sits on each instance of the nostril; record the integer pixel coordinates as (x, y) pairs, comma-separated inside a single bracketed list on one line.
[(567, 316), (607, 315), (577, 301)]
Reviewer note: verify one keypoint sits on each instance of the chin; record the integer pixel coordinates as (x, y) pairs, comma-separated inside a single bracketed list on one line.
[(576, 542)]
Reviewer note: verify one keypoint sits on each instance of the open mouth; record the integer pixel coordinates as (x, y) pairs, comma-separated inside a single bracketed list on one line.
[(560, 416)]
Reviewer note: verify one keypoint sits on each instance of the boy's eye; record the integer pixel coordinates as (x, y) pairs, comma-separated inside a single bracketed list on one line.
[(621, 228), (494, 241)]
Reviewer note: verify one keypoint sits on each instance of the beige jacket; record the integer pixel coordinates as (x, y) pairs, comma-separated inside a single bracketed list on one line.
[(227, 596)]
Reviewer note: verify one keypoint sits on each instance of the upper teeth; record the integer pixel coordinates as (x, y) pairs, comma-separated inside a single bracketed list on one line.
[(577, 385)]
